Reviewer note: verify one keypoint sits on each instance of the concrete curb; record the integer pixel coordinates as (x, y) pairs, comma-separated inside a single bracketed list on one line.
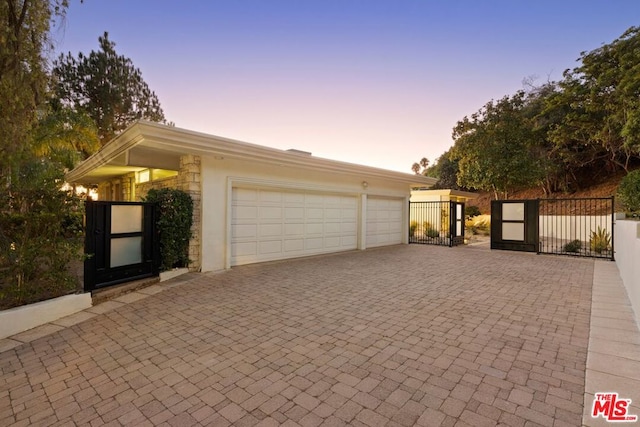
[(20, 319)]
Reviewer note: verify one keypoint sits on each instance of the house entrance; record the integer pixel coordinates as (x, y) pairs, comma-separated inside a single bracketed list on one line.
[(120, 243)]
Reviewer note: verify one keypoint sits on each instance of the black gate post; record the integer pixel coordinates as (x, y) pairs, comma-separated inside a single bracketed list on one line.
[(613, 230), (89, 244)]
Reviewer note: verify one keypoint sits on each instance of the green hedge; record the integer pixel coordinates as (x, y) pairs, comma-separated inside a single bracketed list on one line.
[(40, 236), (629, 191), (174, 226)]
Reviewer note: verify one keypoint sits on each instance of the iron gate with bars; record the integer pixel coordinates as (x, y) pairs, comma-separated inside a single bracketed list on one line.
[(578, 227), (436, 223)]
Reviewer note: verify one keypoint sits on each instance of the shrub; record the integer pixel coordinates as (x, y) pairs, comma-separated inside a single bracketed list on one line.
[(412, 228), (40, 236), (432, 232), (174, 226), (470, 227), (480, 224), (573, 246), (600, 240), (629, 191), (471, 211)]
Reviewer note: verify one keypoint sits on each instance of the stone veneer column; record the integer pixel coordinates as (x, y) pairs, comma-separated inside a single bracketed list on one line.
[(189, 182), (128, 187)]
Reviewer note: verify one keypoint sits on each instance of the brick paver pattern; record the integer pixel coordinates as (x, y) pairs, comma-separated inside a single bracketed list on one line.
[(399, 336)]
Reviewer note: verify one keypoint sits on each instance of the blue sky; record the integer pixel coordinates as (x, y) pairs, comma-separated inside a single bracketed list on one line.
[(380, 83)]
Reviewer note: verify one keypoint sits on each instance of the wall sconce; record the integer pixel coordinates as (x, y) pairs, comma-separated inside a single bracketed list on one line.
[(365, 184)]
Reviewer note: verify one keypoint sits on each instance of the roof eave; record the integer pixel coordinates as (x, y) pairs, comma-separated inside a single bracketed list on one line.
[(184, 141)]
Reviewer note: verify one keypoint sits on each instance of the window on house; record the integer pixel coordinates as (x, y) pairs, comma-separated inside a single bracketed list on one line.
[(144, 176)]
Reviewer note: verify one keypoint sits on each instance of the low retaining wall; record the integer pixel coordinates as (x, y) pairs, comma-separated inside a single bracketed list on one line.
[(627, 247), (20, 319)]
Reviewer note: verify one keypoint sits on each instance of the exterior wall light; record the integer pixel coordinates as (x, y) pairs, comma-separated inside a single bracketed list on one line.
[(365, 184)]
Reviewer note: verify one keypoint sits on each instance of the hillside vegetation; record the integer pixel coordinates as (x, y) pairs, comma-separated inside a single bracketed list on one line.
[(605, 188), (574, 137)]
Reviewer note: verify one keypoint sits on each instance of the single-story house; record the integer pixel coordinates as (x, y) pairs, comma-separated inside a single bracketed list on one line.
[(254, 203)]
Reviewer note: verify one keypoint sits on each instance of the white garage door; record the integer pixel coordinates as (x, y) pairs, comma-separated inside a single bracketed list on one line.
[(384, 221), (270, 224)]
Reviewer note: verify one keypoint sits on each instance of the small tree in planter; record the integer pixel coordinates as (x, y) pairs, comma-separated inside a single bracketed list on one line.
[(174, 223)]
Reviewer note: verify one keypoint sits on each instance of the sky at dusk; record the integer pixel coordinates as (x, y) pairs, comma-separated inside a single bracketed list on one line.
[(380, 83)]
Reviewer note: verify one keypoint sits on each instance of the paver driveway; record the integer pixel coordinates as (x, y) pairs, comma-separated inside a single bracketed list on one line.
[(395, 336)]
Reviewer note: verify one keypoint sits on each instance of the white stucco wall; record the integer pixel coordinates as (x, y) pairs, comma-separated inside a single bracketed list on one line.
[(627, 247), (19, 319), (572, 227), (219, 176)]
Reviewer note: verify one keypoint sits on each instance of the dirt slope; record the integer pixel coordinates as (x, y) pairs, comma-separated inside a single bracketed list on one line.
[(607, 188)]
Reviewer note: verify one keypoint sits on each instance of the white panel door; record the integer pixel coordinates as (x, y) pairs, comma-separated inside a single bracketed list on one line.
[(269, 224), (384, 221)]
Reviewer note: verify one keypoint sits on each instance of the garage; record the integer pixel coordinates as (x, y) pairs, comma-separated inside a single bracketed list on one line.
[(253, 203), (273, 224), (384, 221)]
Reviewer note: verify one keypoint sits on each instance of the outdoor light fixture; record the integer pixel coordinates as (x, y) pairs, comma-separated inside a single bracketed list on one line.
[(365, 184)]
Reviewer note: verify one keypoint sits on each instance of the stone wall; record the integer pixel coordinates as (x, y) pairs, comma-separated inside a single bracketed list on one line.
[(142, 189), (189, 181)]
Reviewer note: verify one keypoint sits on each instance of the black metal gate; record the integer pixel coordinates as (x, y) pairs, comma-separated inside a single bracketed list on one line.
[(436, 223), (120, 243), (578, 227)]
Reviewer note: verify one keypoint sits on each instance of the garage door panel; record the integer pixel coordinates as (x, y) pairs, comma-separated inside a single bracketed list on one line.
[(293, 245), (348, 241), (271, 230), (270, 247), (348, 227), (270, 212), (314, 228), (294, 229), (244, 231), (315, 213), (332, 228), (348, 214), (270, 196), (241, 249), (313, 243), (314, 199), (332, 213), (294, 213), (245, 212), (244, 195), (332, 242), (269, 224)]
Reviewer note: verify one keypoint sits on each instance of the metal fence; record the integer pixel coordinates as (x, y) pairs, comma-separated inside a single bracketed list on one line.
[(578, 227), (436, 223)]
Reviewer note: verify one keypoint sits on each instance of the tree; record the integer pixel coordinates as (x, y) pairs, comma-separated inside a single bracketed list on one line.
[(601, 101), (39, 223), (446, 170), (24, 40), (420, 168), (495, 147), (107, 87), (65, 136)]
